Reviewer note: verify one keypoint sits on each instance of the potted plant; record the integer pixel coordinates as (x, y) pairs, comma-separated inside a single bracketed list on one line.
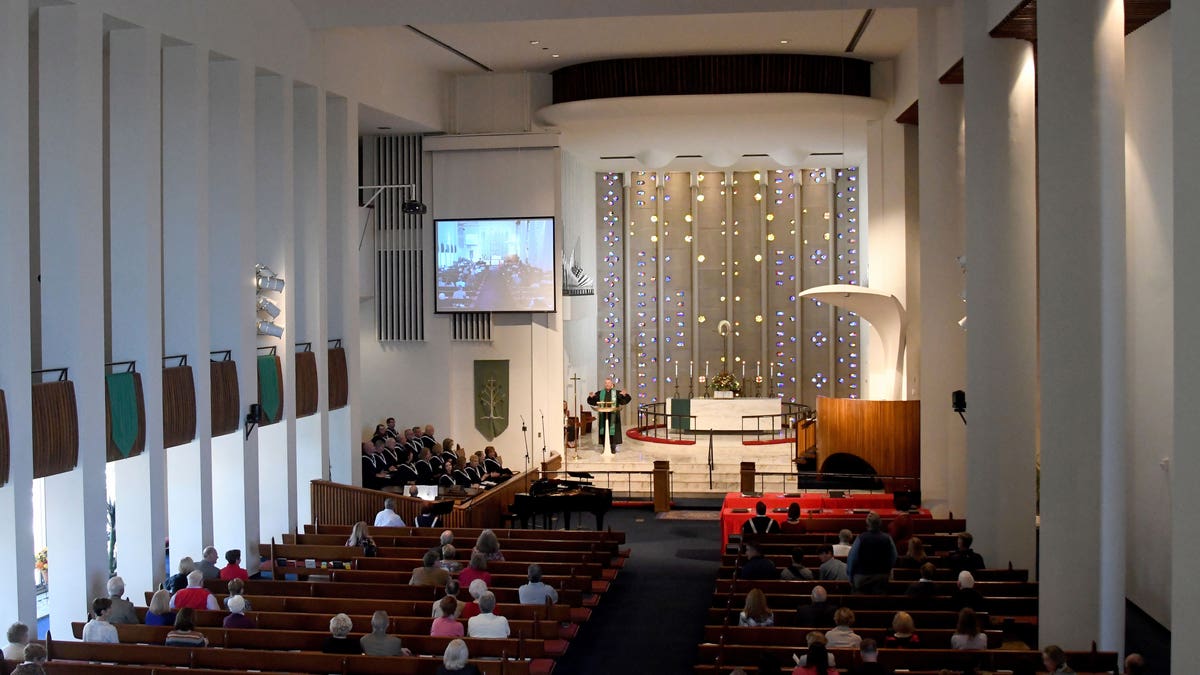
[(725, 385), (41, 564)]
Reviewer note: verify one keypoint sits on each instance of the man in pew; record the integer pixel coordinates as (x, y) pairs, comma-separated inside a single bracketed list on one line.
[(924, 587), (796, 571), (535, 592), (388, 516), (845, 542), (429, 574), (966, 595), (195, 596), (965, 558), (757, 566), (1135, 665), (818, 613), (122, 609), (487, 624), (761, 523), (831, 568), (208, 564), (870, 665), (871, 558), (378, 642), (99, 629)]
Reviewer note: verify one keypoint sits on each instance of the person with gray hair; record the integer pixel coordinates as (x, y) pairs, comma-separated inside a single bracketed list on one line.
[(535, 592), (178, 582), (209, 564), (448, 562), (966, 595), (18, 637), (35, 653), (476, 589), (388, 516), (378, 642), (818, 613), (338, 642), (871, 559), (454, 660), (845, 540), (487, 624), (122, 609), (195, 595)]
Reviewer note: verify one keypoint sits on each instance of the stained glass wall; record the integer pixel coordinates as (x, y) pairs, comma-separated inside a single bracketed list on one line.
[(702, 271)]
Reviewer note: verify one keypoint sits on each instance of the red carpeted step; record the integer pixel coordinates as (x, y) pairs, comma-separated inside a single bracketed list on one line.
[(541, 666), (591, 601), (580, 614), (609, 574), (555, 648), (600, 587)]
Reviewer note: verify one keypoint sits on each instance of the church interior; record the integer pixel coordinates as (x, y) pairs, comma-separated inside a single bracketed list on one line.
[(667, 262)]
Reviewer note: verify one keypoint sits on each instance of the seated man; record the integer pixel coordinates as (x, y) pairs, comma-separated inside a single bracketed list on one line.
[(535, 592), (870, 665), (121, 610), (845, 540), (761, 523), (429, 574), (99, 629), (964, 558), (378, 642), (195, 595), (427, 518), (831, 568), (388, 516), (208, 564), (233, 568), (796, 571), (818, 613), (487, 624), (756, 566), (924, 587)]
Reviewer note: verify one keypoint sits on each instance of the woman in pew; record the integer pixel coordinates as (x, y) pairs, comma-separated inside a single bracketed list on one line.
[(159, 613), (446, 625), (338, 642), (811, 639), (968, 635), (842, 634), (1055, 659), (454, 660), (915, 556), (793, 524), (185, 633), (99, 629), (489, 546), (237, 614), (820, 658), (904, 633), (237, 588), (756, 612), (360, 535), (476, 589), (476, 569)]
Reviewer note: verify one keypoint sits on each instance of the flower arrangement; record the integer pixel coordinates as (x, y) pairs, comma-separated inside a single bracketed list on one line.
[(725, 381), (40, 561)]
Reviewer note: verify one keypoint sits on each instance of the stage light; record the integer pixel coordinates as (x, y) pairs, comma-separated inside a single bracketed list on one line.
[(268, 307), (770, 237), (757, 177), (701, 319), (757, 257), (269, 328), (266, 280)]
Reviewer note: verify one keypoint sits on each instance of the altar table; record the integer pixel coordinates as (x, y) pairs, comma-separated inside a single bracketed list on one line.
[(725, 414)]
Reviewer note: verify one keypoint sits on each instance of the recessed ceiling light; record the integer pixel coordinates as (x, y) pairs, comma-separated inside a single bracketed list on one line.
[(554, 56), (784, 42), (535, 42)]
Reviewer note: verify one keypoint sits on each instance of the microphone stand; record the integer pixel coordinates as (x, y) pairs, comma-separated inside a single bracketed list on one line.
[(525, 440), (543, 416)]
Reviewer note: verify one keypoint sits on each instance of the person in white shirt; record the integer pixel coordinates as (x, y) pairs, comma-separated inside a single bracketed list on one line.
[(388, 516), (18, 637), (535, 592), (845, 541), (99, 629), (486, 624)]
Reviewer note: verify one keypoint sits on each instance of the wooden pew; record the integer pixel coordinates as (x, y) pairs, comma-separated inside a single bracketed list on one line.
[(581, 581), (856, 523), (576, 567), (344, 554), (347, 589), (253, 659), (870, 618), (82, 668), (1008, 589), (996, 606), (931, 638), (471, 533), (914, 659), (386, 544)]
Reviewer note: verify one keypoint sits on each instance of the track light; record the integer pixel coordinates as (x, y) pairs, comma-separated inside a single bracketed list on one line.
[(266, 280), (270, 308), (269, 328)]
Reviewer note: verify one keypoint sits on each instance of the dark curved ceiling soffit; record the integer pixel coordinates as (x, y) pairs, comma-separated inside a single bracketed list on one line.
[(714, 74)]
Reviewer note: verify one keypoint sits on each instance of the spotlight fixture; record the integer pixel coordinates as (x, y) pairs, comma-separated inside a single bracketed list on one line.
[(268, 307), (414, 208), (269, 328), (267, 280)]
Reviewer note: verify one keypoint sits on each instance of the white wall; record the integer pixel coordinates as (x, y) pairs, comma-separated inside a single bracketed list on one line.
[(1149, 320), (433, 381), (580, 316)]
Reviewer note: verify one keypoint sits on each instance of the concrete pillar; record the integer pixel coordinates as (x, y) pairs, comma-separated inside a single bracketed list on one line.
[(135, 293), (309, 285), (71, 240), (1001, 237), (185, 288), (1081, 237), (1185, 470), (16, 496), (274, 247), (342, 234), (884, 245), (942, 368), (231, 283)]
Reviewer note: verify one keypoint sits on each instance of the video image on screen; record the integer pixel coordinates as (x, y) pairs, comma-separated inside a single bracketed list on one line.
[(495, 265)]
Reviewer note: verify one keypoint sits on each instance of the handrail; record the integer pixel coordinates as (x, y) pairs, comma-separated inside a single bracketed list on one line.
[(130, 366), (654, 416), (62, 373), (629, 474)]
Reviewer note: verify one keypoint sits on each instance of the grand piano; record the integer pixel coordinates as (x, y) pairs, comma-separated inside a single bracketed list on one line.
[(548, 496)]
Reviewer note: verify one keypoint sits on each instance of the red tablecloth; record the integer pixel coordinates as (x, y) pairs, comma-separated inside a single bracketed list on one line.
[(829, 507)]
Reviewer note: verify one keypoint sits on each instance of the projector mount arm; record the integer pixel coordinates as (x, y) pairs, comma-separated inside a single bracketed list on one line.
[(407, 188)]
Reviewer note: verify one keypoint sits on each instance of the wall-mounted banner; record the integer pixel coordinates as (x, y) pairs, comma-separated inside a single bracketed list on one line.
[(491, 397)]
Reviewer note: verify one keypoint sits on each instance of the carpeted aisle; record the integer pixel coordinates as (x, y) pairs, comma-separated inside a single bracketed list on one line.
[(653, 618)]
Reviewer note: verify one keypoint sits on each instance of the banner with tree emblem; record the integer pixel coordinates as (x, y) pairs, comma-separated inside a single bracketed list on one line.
[(491, 397)]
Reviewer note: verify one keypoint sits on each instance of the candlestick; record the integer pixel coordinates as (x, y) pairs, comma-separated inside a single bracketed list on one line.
[(706, 369), (772, 371), (676, 371), (743, 370), (758, 368), (689, 369)]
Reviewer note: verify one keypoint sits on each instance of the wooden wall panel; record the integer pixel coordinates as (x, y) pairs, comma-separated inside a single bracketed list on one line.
[(887, 434), (306, 384), (139, 444), (179, 406), (224, 396), (339, 378), (55, 428), (4, 440)]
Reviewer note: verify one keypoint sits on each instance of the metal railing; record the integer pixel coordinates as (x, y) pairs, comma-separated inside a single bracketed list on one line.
[(776, 425), (654, 421)]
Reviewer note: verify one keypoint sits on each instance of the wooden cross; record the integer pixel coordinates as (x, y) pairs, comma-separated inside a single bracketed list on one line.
[(575, 410)]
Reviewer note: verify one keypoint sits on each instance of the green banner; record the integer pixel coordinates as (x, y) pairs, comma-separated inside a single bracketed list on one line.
[(681, 406), (123, 410), (491, 397), (269, 400)]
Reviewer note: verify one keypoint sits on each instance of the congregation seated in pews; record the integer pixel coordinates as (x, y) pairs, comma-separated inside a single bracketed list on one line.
[(395, 458)]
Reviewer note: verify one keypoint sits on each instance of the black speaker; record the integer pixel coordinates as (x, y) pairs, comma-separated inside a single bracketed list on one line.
[(958, 400), (906, 500)]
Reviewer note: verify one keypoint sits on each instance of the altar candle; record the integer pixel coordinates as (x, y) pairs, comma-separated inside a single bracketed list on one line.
[(677, 371), (743, 370), (772, 371), (706, 370), (689, 370), (758, 368)]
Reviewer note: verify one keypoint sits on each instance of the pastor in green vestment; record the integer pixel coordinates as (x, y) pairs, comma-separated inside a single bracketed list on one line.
[(609, 423)]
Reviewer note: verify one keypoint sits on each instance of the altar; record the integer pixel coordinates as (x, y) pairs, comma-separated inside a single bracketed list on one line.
[(725, 414)]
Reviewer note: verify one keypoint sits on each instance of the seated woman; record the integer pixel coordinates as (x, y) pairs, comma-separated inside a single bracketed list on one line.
[(756, 612), (236, 589), (360, 535), (967, 635), (904, 633), (446, 625), (427, 518), (159, 612), (476, 589), (185, 633), (493, 465), (793, 524), (842, 634), (915, 557), (448, 562), (489, 546), (816, 661), (237, 614), (454, 660), (338, 641), (233, 568), (476, 569)]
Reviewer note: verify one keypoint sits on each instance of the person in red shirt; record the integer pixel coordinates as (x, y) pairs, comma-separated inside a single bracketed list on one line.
[(195, 595), (232, 569)]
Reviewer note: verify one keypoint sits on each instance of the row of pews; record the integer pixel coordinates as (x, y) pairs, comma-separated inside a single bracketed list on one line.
[(292, 616), (1010, 599)]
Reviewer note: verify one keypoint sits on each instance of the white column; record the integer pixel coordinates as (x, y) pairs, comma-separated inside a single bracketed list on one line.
[(185, 289), (135, 295), (274, 247), (344, 228), (70, 233), (1081, 236), (1185, 470), (231, 282), (16, 497), (883, 248), (309, 285), (1002, 301), (943, 362)]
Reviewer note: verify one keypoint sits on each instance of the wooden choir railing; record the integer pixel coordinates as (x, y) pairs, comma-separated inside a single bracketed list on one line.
[(306, 384), (55, 428), (336, 503), (4, 442), (339, 380), (887, 434), (179, 406), (225, 398)]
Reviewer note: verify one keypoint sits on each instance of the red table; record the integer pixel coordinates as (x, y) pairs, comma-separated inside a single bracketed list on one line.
[(812, 506)]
